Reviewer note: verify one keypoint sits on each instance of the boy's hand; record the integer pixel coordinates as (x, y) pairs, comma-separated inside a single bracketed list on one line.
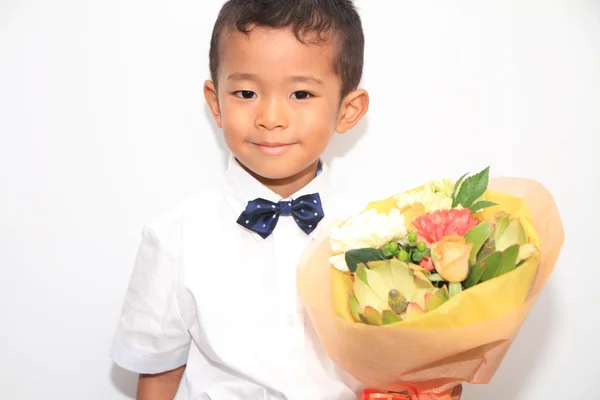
[(160, 386)]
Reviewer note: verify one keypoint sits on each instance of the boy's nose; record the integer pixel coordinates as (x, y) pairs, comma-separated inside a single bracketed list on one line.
[(272, 115)]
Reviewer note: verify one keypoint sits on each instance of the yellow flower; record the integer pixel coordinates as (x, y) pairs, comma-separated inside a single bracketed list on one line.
[(444, 186), (390, 291), (450, 257), (412, 212), (429, 199)]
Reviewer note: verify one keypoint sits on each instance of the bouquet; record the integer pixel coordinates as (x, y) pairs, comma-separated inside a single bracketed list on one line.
[(427, 289)]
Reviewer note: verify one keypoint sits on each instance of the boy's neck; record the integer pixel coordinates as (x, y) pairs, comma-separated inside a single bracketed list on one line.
[(287, 186)]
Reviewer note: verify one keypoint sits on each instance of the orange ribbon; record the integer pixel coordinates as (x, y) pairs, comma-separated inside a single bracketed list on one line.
[(370, 394), (450, 394)]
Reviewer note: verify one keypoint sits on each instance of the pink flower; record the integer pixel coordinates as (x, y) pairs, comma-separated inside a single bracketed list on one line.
[(427, 264), (433, 227)]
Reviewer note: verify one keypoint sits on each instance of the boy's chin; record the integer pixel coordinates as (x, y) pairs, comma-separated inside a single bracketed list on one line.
[(278, 170)]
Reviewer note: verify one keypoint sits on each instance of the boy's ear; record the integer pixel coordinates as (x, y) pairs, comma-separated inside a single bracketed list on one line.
[(210, 94), (354, 107)]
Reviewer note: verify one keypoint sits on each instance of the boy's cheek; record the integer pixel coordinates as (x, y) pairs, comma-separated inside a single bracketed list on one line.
[(318, 118), (233, 116)]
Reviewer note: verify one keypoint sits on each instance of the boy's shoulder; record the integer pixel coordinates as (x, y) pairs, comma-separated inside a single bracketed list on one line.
[(199, 207)]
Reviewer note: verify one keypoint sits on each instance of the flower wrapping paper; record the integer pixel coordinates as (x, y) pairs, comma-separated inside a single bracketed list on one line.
[(466, 339)]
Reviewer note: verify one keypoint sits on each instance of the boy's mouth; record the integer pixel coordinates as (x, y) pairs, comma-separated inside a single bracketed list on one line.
[(273, 149)]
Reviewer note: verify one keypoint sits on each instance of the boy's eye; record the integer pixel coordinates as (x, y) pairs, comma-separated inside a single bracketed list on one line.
[(245, 94), (301, 95)]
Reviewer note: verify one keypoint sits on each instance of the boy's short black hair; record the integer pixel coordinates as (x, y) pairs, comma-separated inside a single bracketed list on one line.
[(329, 19)]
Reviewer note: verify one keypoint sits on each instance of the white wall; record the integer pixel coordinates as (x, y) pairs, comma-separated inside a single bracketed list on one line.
[(103, 125)]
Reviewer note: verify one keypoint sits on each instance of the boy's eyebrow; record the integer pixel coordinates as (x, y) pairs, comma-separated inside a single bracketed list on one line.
[(306, 79), (244, 76)]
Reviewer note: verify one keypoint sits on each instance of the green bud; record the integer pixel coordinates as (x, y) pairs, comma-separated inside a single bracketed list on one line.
[(412, 237), (402, 255), (387, 253), (393, 247), (417, 256), (421, 246)]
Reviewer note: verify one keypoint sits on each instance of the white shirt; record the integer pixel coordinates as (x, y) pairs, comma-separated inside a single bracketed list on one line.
[(211, 294)]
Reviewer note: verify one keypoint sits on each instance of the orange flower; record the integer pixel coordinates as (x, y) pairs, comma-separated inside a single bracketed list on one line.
[(451, 258)]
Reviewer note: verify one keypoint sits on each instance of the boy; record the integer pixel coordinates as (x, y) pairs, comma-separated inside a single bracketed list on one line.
[(212, 310)]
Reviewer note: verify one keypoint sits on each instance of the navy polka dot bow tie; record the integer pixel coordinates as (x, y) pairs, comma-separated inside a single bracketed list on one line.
[(261, 215)]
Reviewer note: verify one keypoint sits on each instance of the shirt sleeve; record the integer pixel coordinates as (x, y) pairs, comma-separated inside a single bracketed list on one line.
[(151, 336)]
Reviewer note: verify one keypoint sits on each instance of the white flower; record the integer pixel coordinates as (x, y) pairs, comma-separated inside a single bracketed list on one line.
[(339, 262), (367, 229)]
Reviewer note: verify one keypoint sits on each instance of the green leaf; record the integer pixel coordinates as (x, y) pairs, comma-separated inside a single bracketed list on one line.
[(435, 278), (525, 251), (455, 288), (509, 260), (456, 187), (443, 293), (361, 256), (363, 319), (354, 307), (386, 253), (473, 188), (362, 274), (433, 301), (373, 316), (502, 224), (477, 236), (480, 205), (475, 275), (420, 269), (389, 317), (492, 264)]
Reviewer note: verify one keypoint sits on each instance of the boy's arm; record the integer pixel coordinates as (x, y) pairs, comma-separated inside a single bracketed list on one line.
[(152, 338), (159, 386)]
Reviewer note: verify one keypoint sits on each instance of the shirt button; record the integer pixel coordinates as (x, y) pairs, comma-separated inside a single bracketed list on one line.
[(290, 320)]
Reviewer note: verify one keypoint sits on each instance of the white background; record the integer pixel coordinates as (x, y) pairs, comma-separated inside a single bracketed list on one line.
[(103, 125)]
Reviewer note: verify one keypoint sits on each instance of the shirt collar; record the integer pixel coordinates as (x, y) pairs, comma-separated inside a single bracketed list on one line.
[(241, 187)]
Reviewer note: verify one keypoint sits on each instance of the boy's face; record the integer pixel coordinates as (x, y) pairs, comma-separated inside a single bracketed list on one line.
[(278, 101)]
